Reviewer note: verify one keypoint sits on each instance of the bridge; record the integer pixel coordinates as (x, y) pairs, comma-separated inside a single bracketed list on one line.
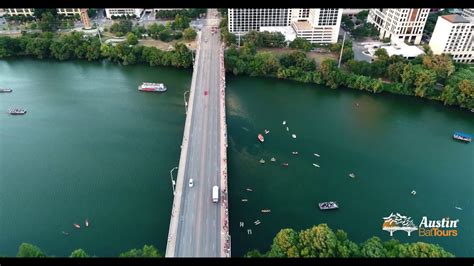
[(199, 227)]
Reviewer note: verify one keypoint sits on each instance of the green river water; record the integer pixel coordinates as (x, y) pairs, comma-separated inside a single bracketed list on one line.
[(92, 146)]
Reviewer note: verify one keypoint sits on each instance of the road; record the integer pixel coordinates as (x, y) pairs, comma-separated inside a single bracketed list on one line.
[(199, 227)]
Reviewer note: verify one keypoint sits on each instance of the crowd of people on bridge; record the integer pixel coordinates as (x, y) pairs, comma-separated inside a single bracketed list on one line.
[(225, 226)]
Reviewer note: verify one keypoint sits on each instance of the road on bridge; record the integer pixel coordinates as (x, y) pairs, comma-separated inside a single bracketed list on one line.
[(199, 226)]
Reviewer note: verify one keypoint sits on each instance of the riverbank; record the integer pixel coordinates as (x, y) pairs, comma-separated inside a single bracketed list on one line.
[(431, 77), (77, 46)]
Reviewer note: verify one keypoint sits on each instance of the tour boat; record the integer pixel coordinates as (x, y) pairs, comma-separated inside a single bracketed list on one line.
[(284, 122), (87, 223), (77, 226), (462, 136), (285, 164), (352, 175), (293, 136), (65, 233), (262, 161), (260, 137), (152, 87), (315, 154), (17, 111), (273, 159), (249, 189), (316, 165), (295, 153), (267, 131), (265, 211), (330, 205), (6, 90)]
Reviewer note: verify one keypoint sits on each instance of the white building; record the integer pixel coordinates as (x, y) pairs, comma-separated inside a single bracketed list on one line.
[(405, 24), (453, 34), (402, 49), (19, 11), (109, 12), (243, 20), (287, 31), (314, 24), (321, 26), (69, 11), (468, 13)]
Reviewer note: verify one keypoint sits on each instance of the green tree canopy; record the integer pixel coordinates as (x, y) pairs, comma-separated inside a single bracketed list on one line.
[(28, 250), (148, 251), (189, 34), (79, 253)]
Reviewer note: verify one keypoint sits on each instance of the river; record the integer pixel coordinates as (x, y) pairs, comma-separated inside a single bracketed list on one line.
[(92, 146)]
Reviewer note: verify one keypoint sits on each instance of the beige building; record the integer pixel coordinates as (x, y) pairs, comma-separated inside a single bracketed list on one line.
[(453, 34), (318, 25), (109, 12), (404, 24), (19, 11), (69, 11)]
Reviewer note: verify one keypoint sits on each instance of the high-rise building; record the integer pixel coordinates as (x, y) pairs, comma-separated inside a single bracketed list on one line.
[(243, 20), (109, 12), (468, 13), (314, 24), (404, 24), (69, 11), (19, 11), (321, 26), (453, 34)]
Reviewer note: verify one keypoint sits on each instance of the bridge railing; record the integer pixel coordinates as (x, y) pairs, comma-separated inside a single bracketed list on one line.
[(225, 239)]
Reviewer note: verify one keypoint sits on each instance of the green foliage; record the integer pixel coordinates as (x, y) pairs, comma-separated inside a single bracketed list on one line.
[(27, 250), (189, 13), (189, 34), (79, 253), (121, 28), (48, 22), (302, 44), (431, 21), (181, 22), (362, 15), (346, 20), (365, 30), (148, 251), (131, 39), (265, 39)]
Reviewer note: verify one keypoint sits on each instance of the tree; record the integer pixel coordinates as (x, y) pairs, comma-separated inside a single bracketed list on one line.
[(79, 253), (254, 254), (441, 64), (373, 248), (302, 44), (362, 15), (132, 39), (181, 22), (318, 241), (285, 244), (189, 34), (27, 250), (148, 251), (47, 22), (424, 80), (344, 247)]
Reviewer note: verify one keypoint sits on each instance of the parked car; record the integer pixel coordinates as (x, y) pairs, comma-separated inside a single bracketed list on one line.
[(191, 182)]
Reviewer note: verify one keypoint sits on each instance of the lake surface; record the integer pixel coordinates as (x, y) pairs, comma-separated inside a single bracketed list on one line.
[(92, 146), (392, 144)]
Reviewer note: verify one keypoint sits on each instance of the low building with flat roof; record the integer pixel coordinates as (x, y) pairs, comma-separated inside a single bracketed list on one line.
[(287, 31)]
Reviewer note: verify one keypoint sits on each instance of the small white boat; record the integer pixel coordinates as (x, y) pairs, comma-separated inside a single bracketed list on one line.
[(77, 226), (257, 222), (459, 208), (413, 192), (273, 159), (287, 129), (316, 165), (295, 153), (267, 131), (262, 161), (352, 175), (87, 223), (266, 211), (293, 136), (244, 200), (284, 122), (249, 189), (315, 154)]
